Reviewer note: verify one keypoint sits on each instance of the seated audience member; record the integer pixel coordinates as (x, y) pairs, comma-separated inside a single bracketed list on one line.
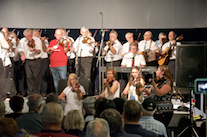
[(88, 106), (100, 99), (2, 108), (103, 105), (112, 86), (98, 128), (132, 114), (32, 121), (52, 97), (16, 103), (114, 118), (8, 127), (147, 120), (52, 117), (74, 123), (119, 104), (73, 93)]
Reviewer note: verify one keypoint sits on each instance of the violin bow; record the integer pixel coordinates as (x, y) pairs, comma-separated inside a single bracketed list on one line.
[(17, 34), (40, 32), (67, 32), (11, 33), (138, 36), (95, 33)]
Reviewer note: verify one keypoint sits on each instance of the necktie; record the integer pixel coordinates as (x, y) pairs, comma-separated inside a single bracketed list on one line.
[(133, 62), (145, 45)]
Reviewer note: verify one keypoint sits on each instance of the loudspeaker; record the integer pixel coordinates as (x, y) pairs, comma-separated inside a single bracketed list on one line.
[(190, 64)]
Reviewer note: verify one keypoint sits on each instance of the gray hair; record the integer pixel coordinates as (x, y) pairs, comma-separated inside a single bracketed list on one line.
[(82, 28), (114, 32), (88, 103), (52, 113), (27, 31), (2, 108), (34, 100), (151, 113), (161, 34), (98, 128), (52, 97), (128, 33)]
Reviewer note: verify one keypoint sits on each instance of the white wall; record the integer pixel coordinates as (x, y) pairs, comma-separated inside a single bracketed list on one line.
[(117, 14)]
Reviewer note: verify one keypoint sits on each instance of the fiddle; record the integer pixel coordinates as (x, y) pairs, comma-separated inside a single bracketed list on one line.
[(110, 80), (31, 45), (86, 40), (110, 43)]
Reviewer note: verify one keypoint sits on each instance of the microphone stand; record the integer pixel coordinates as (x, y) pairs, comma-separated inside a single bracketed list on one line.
[(76, 59)]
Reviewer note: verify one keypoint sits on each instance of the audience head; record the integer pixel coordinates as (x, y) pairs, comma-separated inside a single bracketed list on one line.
[(16, 103), (114, 118), (132, 111), (2, 108), (100, 99), (119, 104), (147, 35), (52, 113), (74, 120), (103, 105), (88, 104), (72, 79), (149, 106), (8, 127), (34, 101), (98, 128), (52, 97)]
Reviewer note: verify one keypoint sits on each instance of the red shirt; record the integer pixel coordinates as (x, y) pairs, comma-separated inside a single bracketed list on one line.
[(58, 57)]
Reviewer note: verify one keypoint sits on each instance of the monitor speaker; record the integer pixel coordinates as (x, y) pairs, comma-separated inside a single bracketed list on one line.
[(190, 64)]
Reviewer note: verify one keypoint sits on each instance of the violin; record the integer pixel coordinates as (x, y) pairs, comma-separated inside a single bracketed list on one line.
[(31, 43), (110, 80), (110, 43), (76, 86), (86, 39)]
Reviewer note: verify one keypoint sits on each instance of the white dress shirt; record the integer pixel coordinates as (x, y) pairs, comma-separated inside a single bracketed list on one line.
[(168, 44), (113, 57), (69, 53), (84, 49), (125, 48), (138, 60)]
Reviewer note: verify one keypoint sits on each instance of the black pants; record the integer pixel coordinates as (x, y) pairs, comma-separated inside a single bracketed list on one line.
[(45, 74), (71, 66), (84, 67), (33, 75), (2, 81)]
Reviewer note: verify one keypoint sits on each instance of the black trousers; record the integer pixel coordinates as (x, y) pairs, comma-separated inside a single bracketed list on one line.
[(33, 75), (45, 74), (84, 67), (2, 81)]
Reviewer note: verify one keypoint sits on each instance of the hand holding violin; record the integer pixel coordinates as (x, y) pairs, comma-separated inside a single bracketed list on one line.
[(76, 88)]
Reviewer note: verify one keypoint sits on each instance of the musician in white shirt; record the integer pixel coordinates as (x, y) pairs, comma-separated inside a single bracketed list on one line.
[(149, 49), (133, 58), (84, 48), (126, 46), (5, 45), (113, 50), (171, 43), (31, 54)]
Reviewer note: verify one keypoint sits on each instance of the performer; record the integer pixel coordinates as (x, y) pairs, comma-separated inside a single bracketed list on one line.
[(113, 50), (112, 86), (126, 46), (44, 62), (3, 45), (172, 51), (162, 39), (148, 48), (162, 93), (84, 47), (31, 53), (58, 58), (70, 53), (133, 58), (135, 86), (73, 93)]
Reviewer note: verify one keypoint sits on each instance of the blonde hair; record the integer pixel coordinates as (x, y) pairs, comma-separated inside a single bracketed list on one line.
[(74, 120), (69, 78)]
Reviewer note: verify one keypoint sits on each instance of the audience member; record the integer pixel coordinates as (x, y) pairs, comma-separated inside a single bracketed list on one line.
[(74, 123), (52, 117), (103, 105), (32, 121), (114, 118), (52, 97), (16, 104), (98, 128), (8, 127), (119, 104), (88, 106), (2, 108), (132, 114), (147, 120)]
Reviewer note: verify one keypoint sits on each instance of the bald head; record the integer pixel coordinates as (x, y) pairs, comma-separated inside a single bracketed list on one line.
[(171, 36), (58, 34), (147, 35)]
